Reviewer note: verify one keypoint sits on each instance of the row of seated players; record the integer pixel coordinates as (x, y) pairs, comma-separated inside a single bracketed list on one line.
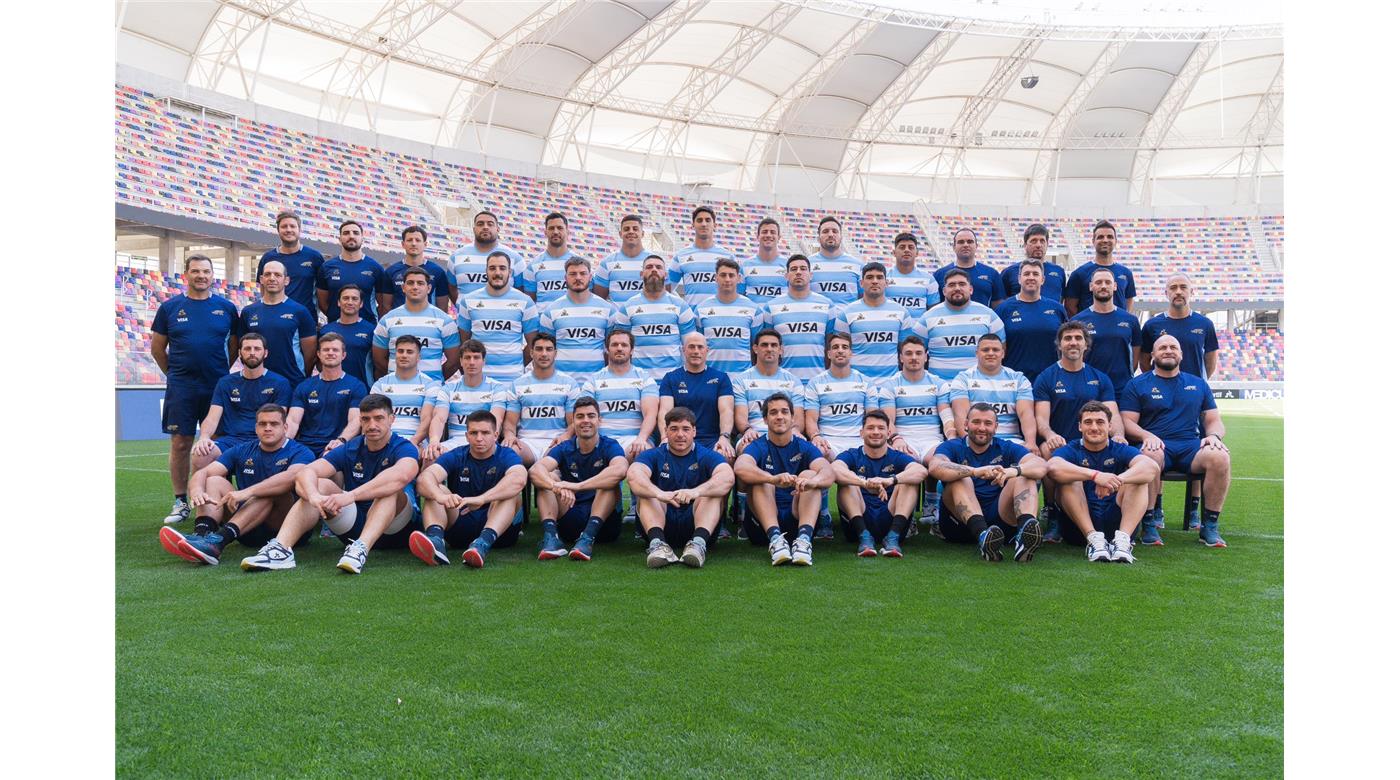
[(1163, 411)]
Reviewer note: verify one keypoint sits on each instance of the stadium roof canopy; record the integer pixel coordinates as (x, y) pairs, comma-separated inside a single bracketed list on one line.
[(834, 98)]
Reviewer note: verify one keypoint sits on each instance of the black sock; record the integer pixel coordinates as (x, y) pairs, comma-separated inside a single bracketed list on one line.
[(804, 530), (1021, 520), (550, 526), (591, 530), (204, 525), (228, 533), (182, 497), (1207, 516), (900, 525), (488, 536), (977, 524), (654, 534), (703, 536), (1158, 504), (857, 523), (1193, 503)]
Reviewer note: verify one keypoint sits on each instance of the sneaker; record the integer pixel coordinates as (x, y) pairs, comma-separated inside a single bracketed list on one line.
[(1159, 518), (326, 532), (429, 550), (170, 539), (1050, 520), (865, 547), (1150, 536), (1194, 522), (989, 543), (353, 560), (202, 549), (802, 552), (179, 512), (825, 527), (1210, 535), (913, 528), (551, 547), (272, 556), (743, 533), (660, 554), (889, 547), (1028, 538), (930, 515), (779, 551), (722, 534), (475, 555), (583, 548), (1097, 550), (694, 554), (1121, 550)]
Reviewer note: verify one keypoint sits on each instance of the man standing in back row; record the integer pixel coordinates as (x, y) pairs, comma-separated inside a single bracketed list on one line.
[(303, 264), (692, 270), (835, 273), (469, 262), (543, 278), (984, 280), (1079, 293), (352, 268), (290, 330), (619, 275), (1035, 241), (414, 240), (765, 274)]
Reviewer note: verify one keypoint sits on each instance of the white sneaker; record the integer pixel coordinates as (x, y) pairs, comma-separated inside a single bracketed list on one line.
[(1097, 548), (179, 512), (1121, 551), (694, 554), (271, 557), (802, 552), (354, 558), (660, 554), (778, 550)]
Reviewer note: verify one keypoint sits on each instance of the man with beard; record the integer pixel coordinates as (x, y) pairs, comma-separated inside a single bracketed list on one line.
[(412, 393), (501, 317), (236, 400), (357, 332), (835, 274), (787, 480), (537, 404), (578, 322), (1115, 332), (729, 321), (1034, 242), (951, 328), (627, 397), (1031, 320), (878, 489), (325, 408), (680, 490), (619, 276), (1165, 411), (414, 240), (352, 268), (302, 263), (543, 278), (692, 270), (800, 317), (765, 274), (579, 488), (434, 329), (984, 280), (658, 319), (1005, 390), (910, 285), (469, 262), (875, 324), (1078, 288), (915, 402), (289, 328)]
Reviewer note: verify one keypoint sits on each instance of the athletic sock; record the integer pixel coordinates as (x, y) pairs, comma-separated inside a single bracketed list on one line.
[(488, 536), (1158, 504), (857, 523), (551, 527), (702, 536), (977, 524), (1193, 503), (182, 497), (204, 525), (804, 531), (228, 533), (653, 534), (591, 529), (774, 533), (1208, 516), (900, 525)]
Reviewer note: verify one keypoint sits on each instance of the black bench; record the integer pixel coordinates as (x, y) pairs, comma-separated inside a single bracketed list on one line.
[(1189, 479)]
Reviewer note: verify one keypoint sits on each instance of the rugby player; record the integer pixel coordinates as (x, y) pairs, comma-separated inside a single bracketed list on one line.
[(951, 328), (1034, 242), (658, 319), (707, 393), (875, 324), (289, 328), (412, 393), (577, 323), (801, 318), (680, 490), (835, 273), (909, 284), (1115, 332), (915, 402), (543, 278), (357, 332), (435, 330), (751, 388), (352, 267), (302, 263), (468, 392), (579, 488), (787, 479), (837, 400), (537, 404), (325, 411), (627, 397), (1079, 294), (691, 272), (729, 321), (765, 274), (619, 276), (414, 240), (468, 263), (877, 489), (234, 404), (984, 282), (1005, 390), (1031, 321), (501, 318)]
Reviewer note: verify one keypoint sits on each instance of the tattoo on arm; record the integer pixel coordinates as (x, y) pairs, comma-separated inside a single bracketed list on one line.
[(961, 470)]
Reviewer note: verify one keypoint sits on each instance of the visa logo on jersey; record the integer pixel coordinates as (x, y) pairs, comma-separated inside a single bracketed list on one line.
[(918, 411), (960, 341), (840, 409), (657, 330), (581, 334), (879, 337), (496, 326), (629, 285), (619, 407), (541, 413), (471, 278), (700, 277), (726, 333), (812, 328), (552, 285), (406, 411), (765, 290)]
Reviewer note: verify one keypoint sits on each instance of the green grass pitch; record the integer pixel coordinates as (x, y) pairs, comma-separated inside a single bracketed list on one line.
[(935, 665)]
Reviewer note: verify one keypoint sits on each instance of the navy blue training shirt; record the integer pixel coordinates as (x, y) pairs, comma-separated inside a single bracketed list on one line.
[(326, 406), (392, 282), (1116, 338), (360, 465), (303, 268), (1068, 391), (198, 333), (248, 463), (1168, 407), (1053, 288), (577, 466), (700, 393), (240, 398), (999, 452), (359, 337), (283, 325), (1195, 332), (986, 282), (867, 467), (469, 476), (793, 458), (1077, 286), (1030, 333), (365, 274), (680, 472)]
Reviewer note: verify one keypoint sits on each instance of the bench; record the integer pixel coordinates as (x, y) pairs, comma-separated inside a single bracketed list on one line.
[(1189, 479)]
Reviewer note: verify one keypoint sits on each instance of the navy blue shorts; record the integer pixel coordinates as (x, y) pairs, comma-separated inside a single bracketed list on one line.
[(573, 522), (1105, 514), (1177, 454), (680, 525), (956, 532), (184, 407), (878, 521), (348, 527), (265, 533), (226, 443), (469, 525)]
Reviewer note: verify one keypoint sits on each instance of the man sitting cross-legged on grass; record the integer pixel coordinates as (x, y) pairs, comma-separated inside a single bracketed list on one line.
[(579, 496), (680, 490), (787, 479), (985, 477), (264, 471), (479, 506), (878, 489), (1116, 487), (375, 506)]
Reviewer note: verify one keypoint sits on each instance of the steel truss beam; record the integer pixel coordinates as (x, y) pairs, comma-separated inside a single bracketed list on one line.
[(1159, 125), (1065, 119)]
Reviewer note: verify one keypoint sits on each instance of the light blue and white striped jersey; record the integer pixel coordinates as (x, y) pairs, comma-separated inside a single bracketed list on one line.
[(622, 275), (875, 335), (841, 403), (619, 398), (729, 328), (462, 399), (543, 404), (409, 397), (657, 328), (580, 331), (838, 278), (500, 323), (761, 282), (752, 388), (543, 277), (1001, 390), (692, 271), (915, 405), (433, 327), (469, 266), (952, 336), (915, 291), (802, 322)]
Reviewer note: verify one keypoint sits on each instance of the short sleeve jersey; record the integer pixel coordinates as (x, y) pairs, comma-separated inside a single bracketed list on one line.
[(999, 452), (500, 323), (670, 471), (875, 333), (366, 274), (1067, 391), (915, 291), (543, 277), (360, 465), (837, 278), (752, 388), (580, 332), (1195, 332), (700, 393), (763, 281), (1077, 286), (1115, 458), (578, 466), (1170, 408), (619, 398), (359, 337), (303, 269), (249, 464), (692, 272), (462, 399), (240, 397), (1030, 333), (469, 266), (392, 282), (543, 404), (198, 332), (408, 397), (284, 325), (986, 282), (862, 465), (1116, 338), (469, 476), (657, 328), (951, 335), (434, 329), (326, 406), (1052, 289), (803, 324), (916, 405), (795, 457), (841, 402), (729, 329), (1001, 390), (621, 274)]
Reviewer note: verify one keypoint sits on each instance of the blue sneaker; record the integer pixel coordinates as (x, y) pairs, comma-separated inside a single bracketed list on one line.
[(825, 527), (1028, 538), (583, 549), (1050, 521), (551, 547), (475, 556), (1194, 523), (865, 548), (722, 533), (203, 549), (989, 543), (889, 547), (1159, 518), (1210, 535), (428, 549), (1150, 536)]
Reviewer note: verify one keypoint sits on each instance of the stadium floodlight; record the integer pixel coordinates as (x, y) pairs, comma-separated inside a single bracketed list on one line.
[(1029, 82)]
